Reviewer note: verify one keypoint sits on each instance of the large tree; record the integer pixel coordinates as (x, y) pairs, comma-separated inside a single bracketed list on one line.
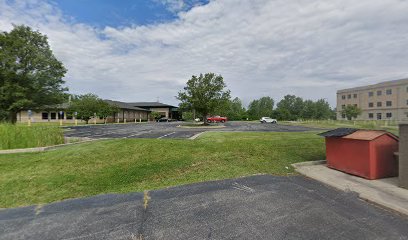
[(30, 74), (262, 107), (290, 108), (90, 105), (204, 94)]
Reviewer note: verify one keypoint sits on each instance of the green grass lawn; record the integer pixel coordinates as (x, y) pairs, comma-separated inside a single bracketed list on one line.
[(19, 136), (128, 165), (390, 126)]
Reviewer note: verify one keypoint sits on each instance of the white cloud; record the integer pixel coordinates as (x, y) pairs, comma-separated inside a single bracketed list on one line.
[(177, 6), (261, 47)]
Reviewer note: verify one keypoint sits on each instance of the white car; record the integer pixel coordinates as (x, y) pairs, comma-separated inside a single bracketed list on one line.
[(267, 120)]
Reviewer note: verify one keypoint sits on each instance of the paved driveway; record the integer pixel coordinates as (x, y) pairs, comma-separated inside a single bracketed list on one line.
[(170, 130), (257, 207)]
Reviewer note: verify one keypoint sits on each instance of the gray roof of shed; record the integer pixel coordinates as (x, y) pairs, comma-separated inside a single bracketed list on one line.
[(338, 132)]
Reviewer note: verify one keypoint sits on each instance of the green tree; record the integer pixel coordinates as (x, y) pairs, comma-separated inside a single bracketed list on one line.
[(106, 110), (233, 110), (262, 107), (309, 110), (323, 110), (205, 94), (351, 111), (253, 109), (90, 105), (155, 115), (30, 74), (290, 108)]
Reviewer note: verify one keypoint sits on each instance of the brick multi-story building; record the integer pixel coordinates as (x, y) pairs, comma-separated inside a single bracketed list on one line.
[(381, 101)]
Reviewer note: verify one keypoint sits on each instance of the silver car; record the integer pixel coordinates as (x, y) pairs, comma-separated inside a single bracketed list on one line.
[(268, 120)]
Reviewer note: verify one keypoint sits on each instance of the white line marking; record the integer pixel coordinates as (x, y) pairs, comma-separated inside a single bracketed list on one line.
[(242, 187), (166, 135)]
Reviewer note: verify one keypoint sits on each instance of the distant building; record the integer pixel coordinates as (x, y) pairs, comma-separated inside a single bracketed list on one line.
[(165, 110), (381, 101), (129, 112)]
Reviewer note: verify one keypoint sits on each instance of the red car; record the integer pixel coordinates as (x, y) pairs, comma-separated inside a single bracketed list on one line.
[(217, 119)]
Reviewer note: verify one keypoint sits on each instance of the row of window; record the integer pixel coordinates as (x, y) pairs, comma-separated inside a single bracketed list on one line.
[(379, 115), (379, 104), (370, 94), (379, 92), (343, 106), (54, 115), (349, 96)]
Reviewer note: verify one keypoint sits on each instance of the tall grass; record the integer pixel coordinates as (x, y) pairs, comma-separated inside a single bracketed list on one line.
[(18, 136)]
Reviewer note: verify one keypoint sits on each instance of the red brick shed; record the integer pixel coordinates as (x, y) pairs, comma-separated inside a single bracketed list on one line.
[(365, 153)]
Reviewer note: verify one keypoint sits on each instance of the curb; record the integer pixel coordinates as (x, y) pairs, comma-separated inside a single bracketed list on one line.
[(202, 127), (43, 149), (309, 163), (196, 136)]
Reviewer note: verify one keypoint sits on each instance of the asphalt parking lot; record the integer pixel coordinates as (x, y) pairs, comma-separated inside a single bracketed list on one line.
[(170, 130), (257, 207)]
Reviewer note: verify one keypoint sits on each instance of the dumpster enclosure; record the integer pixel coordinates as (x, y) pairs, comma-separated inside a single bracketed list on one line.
[(365, 153)]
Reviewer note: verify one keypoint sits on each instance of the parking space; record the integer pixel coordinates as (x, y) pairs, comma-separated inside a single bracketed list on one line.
[(257, 207), (170, 130)]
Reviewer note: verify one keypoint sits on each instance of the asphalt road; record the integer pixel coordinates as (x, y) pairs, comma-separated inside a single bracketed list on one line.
[(170, 130), (257, 207)]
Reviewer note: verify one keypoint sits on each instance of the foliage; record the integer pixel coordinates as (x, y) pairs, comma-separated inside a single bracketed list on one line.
[(106, 110), (30, 75), (233, 109), (4, 115), (18, 136), (289, 108), (155, 115), (129, 165), (351, 111), (205, 94), (293, 108), (262, 107), (90, 105)]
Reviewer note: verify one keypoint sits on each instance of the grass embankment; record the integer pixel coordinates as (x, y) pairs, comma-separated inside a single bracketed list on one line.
[(18, 136), (129, 165), (390, 126)]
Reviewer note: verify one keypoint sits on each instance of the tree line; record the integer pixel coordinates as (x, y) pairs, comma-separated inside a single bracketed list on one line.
[(289, 108)]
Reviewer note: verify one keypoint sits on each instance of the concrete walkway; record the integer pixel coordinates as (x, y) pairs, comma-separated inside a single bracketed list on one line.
[(384, 192)]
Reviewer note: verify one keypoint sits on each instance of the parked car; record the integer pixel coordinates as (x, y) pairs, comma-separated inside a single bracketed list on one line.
[(217, 119), (164, 119), (268, 120)]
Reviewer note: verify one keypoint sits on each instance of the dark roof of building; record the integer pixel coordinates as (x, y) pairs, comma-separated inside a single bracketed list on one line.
[(124, 105), (150, 104), (338, 132)]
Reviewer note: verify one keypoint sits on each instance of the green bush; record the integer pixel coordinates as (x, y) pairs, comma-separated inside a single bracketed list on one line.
[(18, 136)]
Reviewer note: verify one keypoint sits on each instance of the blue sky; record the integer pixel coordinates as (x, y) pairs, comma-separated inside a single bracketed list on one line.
[(121, 13), (143, 49)]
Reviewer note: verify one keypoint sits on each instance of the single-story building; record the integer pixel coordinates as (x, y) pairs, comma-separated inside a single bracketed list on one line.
[(129, 112), (165, 110)]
